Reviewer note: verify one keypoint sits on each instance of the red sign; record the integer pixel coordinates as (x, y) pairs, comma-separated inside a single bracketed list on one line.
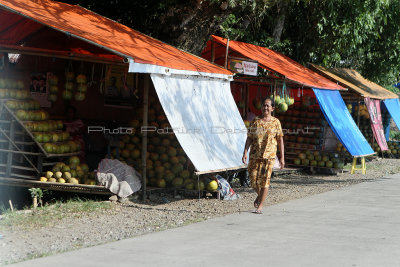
[(374, 109)]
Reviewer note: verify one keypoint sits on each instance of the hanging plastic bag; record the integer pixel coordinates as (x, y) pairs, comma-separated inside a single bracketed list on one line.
[(225, 189)]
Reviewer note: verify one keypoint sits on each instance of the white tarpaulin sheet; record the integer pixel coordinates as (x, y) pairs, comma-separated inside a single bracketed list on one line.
[(205, 119)]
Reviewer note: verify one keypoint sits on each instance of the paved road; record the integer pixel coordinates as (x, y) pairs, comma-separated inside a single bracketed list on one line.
[(353, 226)]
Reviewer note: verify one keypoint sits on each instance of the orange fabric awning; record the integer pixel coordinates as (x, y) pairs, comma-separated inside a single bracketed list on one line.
[(353, 80), (270, 60), (103, 32)]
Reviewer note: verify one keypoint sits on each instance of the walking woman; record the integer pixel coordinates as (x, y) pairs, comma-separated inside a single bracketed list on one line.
[(263, 137)]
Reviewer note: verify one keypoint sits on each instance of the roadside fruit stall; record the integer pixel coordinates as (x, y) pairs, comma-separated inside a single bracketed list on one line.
[(112, 84), (309, 130), (361, 92)]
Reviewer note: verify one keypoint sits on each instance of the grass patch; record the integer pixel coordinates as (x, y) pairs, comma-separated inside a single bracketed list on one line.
[(50, 215)]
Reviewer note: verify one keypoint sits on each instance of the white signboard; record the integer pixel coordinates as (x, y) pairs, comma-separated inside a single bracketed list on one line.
[(243, 67)]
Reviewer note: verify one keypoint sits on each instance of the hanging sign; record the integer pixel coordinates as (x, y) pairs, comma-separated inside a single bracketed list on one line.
[(119, 87), (374, 110), (243, 66), (39, 88)]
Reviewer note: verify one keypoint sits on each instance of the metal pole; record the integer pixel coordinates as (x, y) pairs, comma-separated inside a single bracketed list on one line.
[(226, 54), (144, 133)]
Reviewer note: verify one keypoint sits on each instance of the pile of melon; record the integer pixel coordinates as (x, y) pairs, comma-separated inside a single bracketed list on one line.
[(166, 163), (74, 173), (317, 159)]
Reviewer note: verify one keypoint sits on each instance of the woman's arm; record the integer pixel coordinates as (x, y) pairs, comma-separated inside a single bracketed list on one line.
[(246, 148), (282, 151)]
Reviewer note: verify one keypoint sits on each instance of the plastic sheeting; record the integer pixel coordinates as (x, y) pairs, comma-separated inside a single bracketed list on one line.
[(205, 119), (374, 110), (393, 106), (341, 122)]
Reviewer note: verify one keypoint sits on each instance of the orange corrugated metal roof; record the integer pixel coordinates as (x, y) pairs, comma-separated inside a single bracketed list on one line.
[(274, 61), (353, 80), (110, 35)]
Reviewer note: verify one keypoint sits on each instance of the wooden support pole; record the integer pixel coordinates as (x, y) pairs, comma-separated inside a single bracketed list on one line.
[(144, 133), (40, 165), (226, 54), (11, 205), (2, 155)]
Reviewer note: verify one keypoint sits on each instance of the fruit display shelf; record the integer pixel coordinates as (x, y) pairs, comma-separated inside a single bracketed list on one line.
[(23, 129), (22, 156), (76, 188)]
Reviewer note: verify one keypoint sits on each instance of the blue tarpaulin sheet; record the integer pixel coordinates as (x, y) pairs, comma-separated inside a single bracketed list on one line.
[(341, 122), (393, 106)]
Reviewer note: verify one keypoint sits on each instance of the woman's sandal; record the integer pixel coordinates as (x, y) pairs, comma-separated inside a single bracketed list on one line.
[(258, 212)]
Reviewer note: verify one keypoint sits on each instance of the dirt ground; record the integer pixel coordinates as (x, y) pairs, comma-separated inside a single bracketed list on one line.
[(69, 230)]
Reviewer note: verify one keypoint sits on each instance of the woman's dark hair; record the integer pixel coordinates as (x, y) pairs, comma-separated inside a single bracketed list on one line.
[(272, 101)]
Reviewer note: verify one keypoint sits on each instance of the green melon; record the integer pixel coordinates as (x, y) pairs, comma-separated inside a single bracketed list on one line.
[(155, 140), (157, 163), (184, 174), (172, 152), (166, 142), (177, 182), (199, 185), (169, 177), (189, 185), (160, 169), (181, 152), (154, 156), (135, 154), (167, 165), (174, 160), (161, 149), (164, 158), (177, 168), (182, 159), (151, 173)]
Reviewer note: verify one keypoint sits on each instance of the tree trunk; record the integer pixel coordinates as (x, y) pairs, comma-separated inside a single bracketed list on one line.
[(282, 7), (189, 28)]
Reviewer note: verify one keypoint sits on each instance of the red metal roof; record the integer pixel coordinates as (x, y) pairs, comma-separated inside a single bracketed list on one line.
[(270, 60), (19, 18)]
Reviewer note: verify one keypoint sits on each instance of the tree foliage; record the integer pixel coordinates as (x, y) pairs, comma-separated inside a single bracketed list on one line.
[(359, 34), (363, 35)]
